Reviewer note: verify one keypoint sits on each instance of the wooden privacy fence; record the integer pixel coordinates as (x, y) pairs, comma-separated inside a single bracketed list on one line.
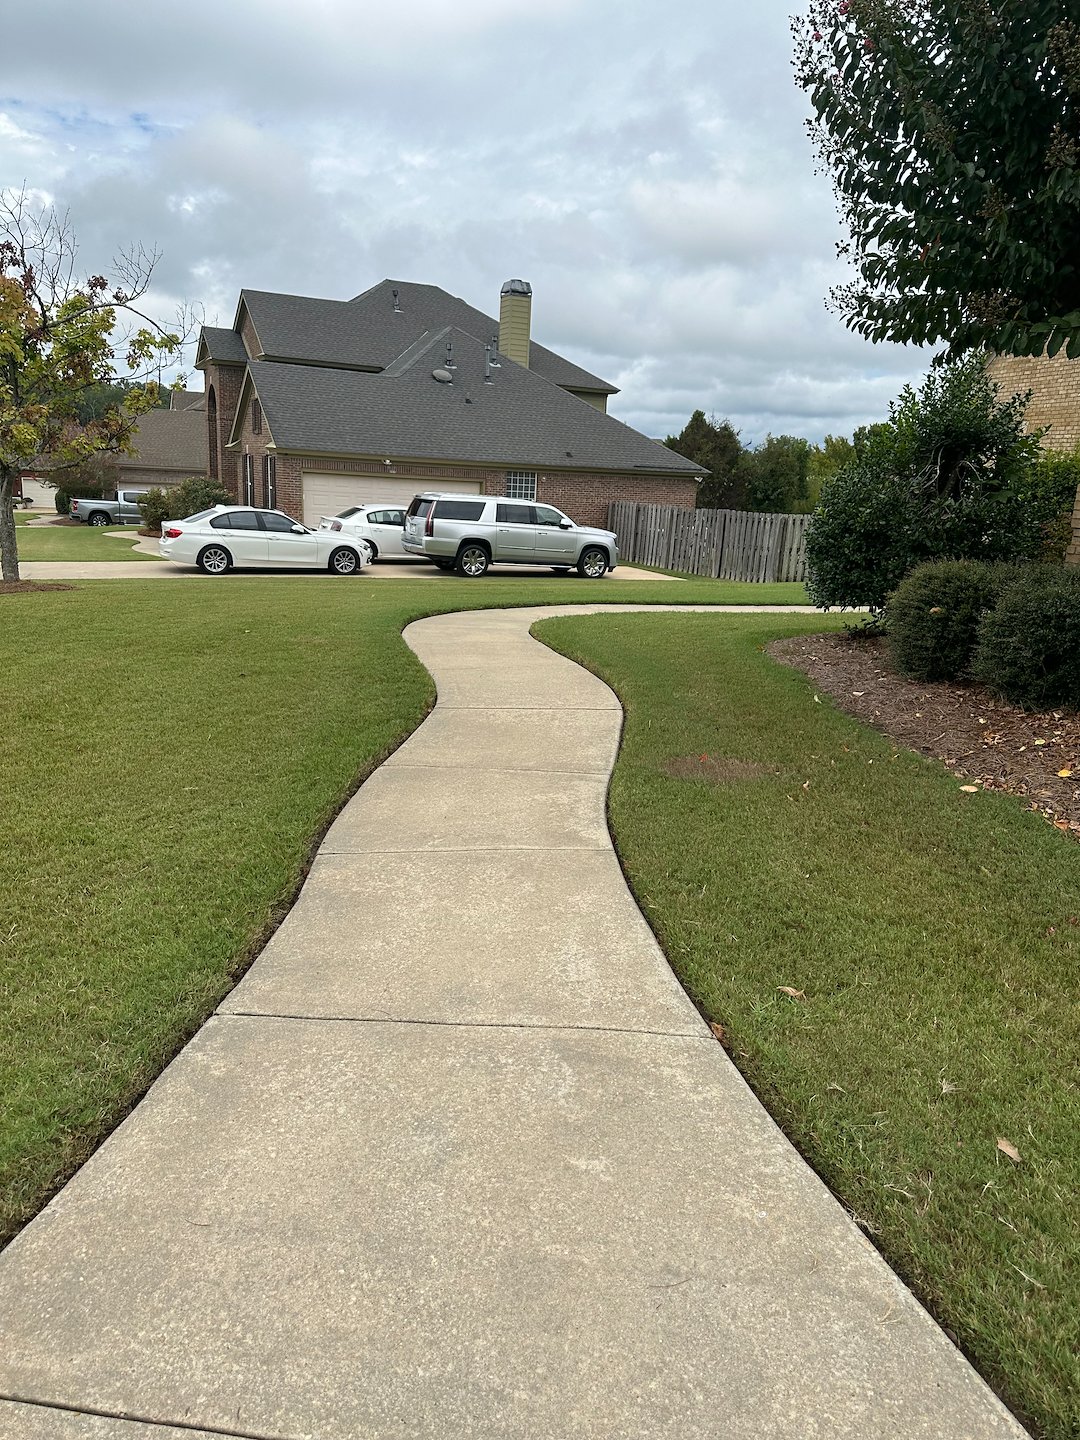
[(724, 544)]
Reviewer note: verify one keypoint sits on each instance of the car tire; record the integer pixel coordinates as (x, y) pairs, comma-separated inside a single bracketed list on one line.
[(372, 547), (99, 518), (344, 562), (592, 563), (473, 560), (214, 560)]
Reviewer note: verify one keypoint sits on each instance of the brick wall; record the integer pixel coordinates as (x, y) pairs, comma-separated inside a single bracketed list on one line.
[(584, 495), (1055, 401), (226, 381)]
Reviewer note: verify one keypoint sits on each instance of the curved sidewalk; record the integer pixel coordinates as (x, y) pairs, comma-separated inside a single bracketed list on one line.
[(457, 1157)]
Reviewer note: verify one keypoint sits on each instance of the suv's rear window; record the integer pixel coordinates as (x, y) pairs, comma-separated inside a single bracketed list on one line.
[(419, 506), (459, 509)]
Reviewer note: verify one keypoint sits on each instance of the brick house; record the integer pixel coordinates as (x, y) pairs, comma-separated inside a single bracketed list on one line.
[(1054, 382), (315, 405), (169, 445)]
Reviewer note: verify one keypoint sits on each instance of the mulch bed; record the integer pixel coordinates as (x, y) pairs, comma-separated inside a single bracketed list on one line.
[(984, 741), (24, 587)]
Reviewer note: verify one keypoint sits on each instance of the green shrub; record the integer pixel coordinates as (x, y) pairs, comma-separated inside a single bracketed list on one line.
[(932, 618), (1047, 492), (198, 492), (952, 475), (1028, 647), (156, 509), (63, 502)]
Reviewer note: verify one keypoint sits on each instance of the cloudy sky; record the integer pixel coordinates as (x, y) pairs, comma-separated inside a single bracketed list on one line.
[(643, 164)]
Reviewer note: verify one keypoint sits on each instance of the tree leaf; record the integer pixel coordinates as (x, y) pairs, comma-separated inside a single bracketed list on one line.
[(790, 990), (1009, 1150)]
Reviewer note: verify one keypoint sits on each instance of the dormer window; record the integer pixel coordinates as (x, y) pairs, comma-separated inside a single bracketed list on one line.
[(256, 418)]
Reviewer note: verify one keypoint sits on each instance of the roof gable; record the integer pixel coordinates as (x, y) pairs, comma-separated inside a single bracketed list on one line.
[(368, 332)]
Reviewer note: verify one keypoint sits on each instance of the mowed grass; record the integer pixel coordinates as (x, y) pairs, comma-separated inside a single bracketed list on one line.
[(935, 937), (77, 542), (173, 752)]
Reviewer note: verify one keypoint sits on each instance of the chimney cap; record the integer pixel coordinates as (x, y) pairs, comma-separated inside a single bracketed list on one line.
[(516, 287)]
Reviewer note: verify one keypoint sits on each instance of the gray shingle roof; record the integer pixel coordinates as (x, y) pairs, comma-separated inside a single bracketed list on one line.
[(224, 346), (520, 420), (170, 440), (367, 333)]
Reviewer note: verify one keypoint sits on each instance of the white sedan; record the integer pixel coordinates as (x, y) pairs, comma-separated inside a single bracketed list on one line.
[(380, 526), (237, 535)]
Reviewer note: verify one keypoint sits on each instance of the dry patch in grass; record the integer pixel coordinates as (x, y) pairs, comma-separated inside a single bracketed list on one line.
[(715, 769), (25, 587)]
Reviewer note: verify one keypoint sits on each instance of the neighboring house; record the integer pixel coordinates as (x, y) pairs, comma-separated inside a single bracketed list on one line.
[(169, 445), (315, 405), (1055, 402)]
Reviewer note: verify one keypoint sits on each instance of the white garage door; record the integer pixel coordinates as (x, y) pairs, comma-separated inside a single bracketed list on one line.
[(330, 494)]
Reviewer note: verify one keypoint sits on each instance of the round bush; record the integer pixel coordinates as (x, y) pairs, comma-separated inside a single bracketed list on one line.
[(933, 616), (1028, 647)]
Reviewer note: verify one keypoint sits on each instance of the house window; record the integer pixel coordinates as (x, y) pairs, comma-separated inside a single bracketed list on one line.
[(256, 418), (249, 480), (270, 482), (521, 484)]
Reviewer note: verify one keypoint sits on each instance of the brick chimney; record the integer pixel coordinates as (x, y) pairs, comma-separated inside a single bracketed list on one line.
[(515, 316)]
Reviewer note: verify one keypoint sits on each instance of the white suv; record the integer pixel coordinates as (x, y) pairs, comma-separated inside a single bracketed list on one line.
[(468, 533)]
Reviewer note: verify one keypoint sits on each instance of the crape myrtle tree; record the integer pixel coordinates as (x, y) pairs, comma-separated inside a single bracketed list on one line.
[(951, 129), (59, 344)]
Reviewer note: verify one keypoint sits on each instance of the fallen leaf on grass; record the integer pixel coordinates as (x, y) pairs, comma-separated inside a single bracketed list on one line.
[(1009, 1150), (790, 990), (970, 789), (719, 1031)]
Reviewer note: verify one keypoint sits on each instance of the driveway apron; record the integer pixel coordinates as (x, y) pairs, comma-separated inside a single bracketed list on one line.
[(457, 1157)]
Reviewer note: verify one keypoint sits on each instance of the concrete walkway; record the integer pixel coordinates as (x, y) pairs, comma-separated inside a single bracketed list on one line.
[(458, 1158)]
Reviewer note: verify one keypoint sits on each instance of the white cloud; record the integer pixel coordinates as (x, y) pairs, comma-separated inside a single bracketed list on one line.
[(647, 172)]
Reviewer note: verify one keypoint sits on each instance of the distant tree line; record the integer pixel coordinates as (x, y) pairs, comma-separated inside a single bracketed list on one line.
[(784, 474)]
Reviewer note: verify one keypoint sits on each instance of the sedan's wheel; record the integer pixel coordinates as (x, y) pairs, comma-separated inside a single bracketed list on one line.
[(372, 547), (214, 560), (344, 562), (592, 563), (98, 519), (472, 561)]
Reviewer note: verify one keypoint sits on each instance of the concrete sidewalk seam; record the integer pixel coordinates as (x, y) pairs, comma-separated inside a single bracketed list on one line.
[(697, 1034), (63, 1409)]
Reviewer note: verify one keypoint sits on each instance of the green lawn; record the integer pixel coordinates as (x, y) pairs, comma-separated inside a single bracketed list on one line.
[(77, 542), (172, 773), (935, 936)]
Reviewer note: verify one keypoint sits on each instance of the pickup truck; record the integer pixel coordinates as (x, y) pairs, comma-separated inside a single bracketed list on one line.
[(124, 510)]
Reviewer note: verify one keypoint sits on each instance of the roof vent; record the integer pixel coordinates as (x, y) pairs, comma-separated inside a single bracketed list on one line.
[(397, 307), (442, 376)]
